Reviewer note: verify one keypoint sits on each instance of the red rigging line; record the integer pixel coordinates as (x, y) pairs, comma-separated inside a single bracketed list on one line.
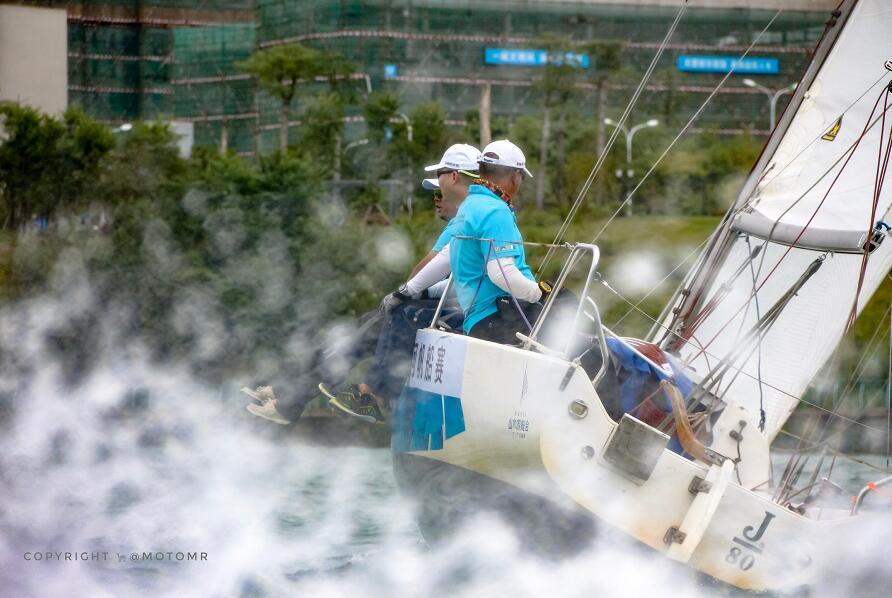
[(879, 179), (792, 246)]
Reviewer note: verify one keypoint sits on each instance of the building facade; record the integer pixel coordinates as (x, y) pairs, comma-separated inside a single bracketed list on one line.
[(175, 59)]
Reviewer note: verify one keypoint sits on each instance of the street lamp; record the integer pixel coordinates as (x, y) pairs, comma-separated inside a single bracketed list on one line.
[(356, 143), (630, 133), (408, 125), (773, 96), (336, 181)]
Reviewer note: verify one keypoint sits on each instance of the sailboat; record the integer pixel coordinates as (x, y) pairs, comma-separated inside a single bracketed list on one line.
[(667, 440)]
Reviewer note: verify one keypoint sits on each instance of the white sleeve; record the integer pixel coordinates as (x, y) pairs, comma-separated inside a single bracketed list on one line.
[(433, 272), (505, 275), (436, 291)]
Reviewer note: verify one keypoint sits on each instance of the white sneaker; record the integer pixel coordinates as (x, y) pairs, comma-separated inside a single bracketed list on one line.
[(261, 394), (268, 411)]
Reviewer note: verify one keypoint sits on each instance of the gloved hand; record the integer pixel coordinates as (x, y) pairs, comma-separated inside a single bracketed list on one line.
[(392, 300)]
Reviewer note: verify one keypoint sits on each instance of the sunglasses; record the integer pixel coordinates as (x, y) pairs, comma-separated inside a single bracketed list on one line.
[(438, 195), (443, 171)]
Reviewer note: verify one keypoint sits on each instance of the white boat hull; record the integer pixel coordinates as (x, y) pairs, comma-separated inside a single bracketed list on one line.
[(502, 413)]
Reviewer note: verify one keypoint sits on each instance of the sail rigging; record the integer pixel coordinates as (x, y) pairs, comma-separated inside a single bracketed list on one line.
[(813, 192)]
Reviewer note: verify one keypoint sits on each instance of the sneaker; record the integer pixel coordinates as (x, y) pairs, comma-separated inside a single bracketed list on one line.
[(355, 403), (261, 394), (268, 411)]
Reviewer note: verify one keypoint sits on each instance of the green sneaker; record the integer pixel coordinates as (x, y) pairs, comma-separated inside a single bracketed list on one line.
[(355, 404)]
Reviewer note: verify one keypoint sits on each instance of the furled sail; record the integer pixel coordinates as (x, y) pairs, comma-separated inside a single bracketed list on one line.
[(772, 294)]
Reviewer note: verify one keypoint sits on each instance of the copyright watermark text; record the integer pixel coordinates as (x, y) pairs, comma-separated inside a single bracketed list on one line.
[(178, 555)]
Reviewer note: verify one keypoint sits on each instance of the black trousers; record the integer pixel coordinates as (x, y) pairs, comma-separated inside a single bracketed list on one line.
[(501, 326)]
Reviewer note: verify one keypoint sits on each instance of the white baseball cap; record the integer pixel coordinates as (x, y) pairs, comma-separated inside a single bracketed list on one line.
[(505, 153), (460, 156), (430, 184)]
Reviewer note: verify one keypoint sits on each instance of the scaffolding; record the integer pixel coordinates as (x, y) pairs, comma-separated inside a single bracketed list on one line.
[(176, 58), (437, 49), (209, 89), (120, 53)]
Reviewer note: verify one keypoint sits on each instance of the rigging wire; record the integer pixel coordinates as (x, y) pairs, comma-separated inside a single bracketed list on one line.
[(810, 445), (686, 127), (879, 179), (664, 279), (577, 203), (759, 345), (815, 420), (826, 439), (790, 248), (734, 211), (814, 140), (882, 165)]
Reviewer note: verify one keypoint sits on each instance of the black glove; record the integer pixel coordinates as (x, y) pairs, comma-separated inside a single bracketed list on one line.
[(394, 299)]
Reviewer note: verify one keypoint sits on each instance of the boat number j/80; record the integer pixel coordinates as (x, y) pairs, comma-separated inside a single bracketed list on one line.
[(744, 555)]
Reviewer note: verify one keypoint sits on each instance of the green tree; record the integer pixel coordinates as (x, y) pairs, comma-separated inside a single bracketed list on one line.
[(429, 132), (280, 69), (380, 109), (556, 87), (324, 118), (499, 126), (146, 164), (47, 163), (606, 59)]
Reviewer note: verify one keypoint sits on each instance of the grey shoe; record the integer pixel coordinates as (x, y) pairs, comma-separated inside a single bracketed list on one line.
[(268, 411), (261, 394)]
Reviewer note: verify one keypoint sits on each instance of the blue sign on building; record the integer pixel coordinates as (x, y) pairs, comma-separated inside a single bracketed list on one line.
[(723, 64), (390, 71), (523, 57)]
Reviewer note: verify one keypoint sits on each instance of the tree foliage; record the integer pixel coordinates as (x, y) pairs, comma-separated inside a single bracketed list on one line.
[(279, 71), (47, 163)]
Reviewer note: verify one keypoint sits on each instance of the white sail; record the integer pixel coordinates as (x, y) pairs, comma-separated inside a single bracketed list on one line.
[(810, 196)]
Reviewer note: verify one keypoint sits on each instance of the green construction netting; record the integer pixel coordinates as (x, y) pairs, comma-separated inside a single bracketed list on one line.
[(209, 86), (373, 34), (124, 71)]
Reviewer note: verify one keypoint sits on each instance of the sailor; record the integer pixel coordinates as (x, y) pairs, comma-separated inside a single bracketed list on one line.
[(487, 254), (410, 307), (381, 332)]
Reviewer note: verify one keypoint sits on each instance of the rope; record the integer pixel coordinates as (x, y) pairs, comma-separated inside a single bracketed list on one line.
[(613, 137), (814, 140), (879, 176), (777, 173), (775, 388), (759, 364), (568, 246), (851, 153)]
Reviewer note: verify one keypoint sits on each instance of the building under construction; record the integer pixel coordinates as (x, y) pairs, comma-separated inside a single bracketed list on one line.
[(176, 60)]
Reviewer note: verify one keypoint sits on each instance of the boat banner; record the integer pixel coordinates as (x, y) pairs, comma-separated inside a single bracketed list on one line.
[(438, 363), (429, 409)]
